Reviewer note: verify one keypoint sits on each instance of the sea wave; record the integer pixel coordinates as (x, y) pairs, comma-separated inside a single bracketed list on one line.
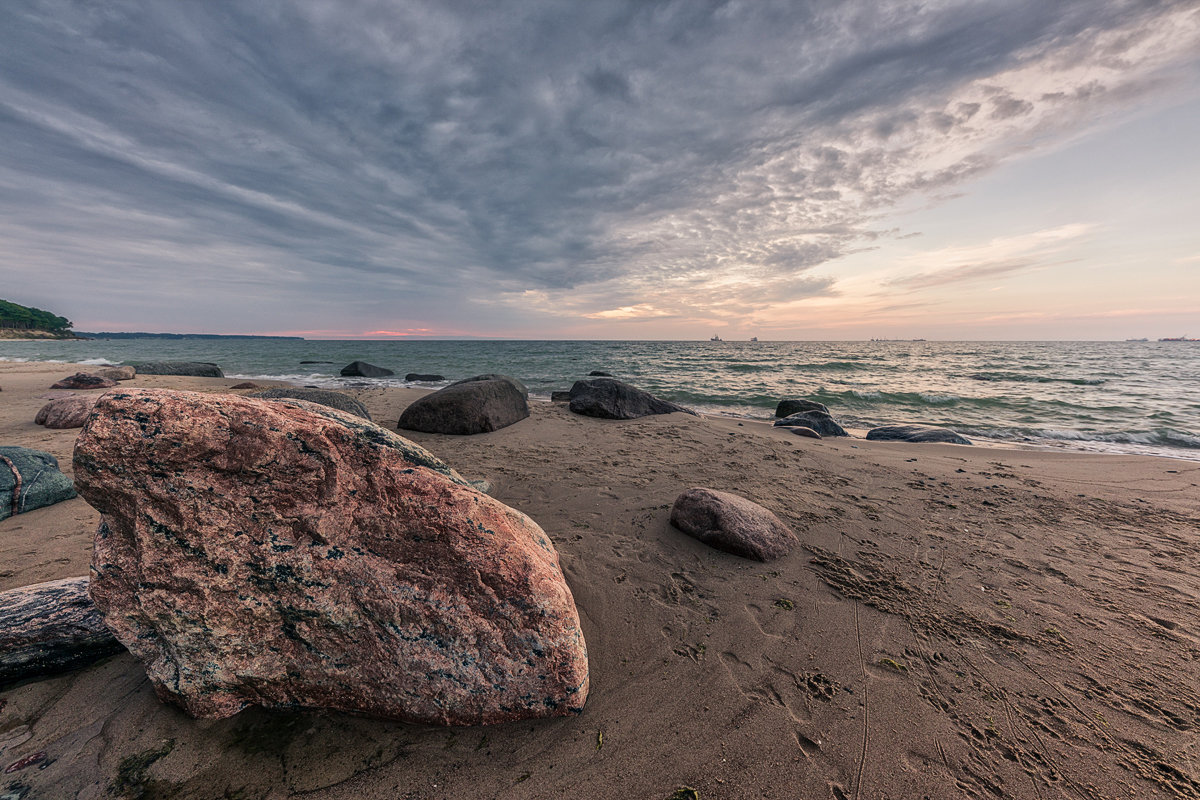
[(1015, 378), (837, 366), (866, 398), (1155, 437)]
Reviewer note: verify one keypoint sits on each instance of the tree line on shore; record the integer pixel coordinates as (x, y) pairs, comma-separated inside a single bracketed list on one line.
[(14, 315)]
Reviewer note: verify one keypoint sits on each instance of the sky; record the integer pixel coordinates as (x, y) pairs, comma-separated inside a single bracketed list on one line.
[(605, 170)]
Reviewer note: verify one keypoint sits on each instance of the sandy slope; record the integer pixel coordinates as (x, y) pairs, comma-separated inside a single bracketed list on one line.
[(960, 622)]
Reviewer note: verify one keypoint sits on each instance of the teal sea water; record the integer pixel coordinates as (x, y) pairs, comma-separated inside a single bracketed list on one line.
[(1125, 397)]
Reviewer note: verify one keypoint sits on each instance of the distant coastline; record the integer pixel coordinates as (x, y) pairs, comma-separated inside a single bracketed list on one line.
[(144, 335), (32, 334)]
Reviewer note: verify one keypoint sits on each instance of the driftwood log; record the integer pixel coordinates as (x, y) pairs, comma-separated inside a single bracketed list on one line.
[(49, 628)]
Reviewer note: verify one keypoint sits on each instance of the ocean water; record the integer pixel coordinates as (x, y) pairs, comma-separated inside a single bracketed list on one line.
[(1124, 397)]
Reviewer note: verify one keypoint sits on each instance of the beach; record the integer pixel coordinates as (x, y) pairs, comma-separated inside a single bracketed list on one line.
[(957, 621)]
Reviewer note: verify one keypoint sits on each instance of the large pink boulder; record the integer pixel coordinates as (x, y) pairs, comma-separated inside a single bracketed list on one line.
[(67, 412), (283, 554)]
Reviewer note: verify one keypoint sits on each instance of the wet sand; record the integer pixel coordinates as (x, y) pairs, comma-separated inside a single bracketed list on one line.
[(958, 622)]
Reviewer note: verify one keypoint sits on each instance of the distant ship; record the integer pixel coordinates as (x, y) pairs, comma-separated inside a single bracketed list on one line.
[(754, 338), (716, 339), (1143, 339), (1179, 339)]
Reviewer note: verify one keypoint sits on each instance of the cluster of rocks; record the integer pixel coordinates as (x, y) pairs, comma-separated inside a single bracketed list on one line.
[(314, 559), (813, 420), (310, 559)]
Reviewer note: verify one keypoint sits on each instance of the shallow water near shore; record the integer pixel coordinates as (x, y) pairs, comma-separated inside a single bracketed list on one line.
[(1122, 397)]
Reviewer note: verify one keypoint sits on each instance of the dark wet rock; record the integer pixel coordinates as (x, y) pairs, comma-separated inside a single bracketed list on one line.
[(49, 628), (463, 408), (188, 369), (246, 385), (611, 399), (801, 430), (84, 380), (362, 369), (599, 374), (915, 433), (732, 523), (30, 479), (324, 397), (67, 412), (819, 421), (494, 376), (311, 559), (798, 405), (421, 376), (117, 373), (560, 397)]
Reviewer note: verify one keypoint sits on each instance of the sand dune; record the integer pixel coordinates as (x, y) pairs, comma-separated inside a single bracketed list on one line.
[(958, 622)]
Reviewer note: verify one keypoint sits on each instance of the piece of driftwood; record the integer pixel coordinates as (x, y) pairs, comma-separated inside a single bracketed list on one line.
[(49, 628)]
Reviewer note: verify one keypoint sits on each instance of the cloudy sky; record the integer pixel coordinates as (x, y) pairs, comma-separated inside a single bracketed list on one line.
[(633, 170)]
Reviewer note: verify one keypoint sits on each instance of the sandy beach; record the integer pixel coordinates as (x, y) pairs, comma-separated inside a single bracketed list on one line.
[(957, 622)]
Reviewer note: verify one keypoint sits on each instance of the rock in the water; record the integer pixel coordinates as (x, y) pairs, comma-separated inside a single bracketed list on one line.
[(84, 380), (421, 376), (342, 402), (798, 405), (318, 362), (362, 369), (819, 421), (30, 479), (733, 524), (493, 376), (596, 373), (611, 399), (246, 385), (560, 397), (915, 433), (477, 406), (50, 628), (117, 373), (291, 555), (801, 430), (187, 369), (67, 412)]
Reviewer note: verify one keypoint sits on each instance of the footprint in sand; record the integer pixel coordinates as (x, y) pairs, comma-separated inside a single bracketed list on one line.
[(767, 683), (773, 622)]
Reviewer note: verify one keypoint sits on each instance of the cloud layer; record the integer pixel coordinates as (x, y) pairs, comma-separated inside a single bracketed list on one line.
[(455, 166)]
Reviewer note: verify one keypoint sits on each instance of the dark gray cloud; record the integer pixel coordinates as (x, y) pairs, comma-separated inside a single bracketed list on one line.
[(206, 164)]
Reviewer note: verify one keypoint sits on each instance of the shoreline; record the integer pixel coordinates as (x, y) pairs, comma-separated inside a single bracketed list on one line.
[(1072, 407), (976, 616)]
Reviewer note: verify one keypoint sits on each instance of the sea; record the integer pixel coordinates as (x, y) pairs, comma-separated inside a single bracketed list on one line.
[(1111, 397)]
